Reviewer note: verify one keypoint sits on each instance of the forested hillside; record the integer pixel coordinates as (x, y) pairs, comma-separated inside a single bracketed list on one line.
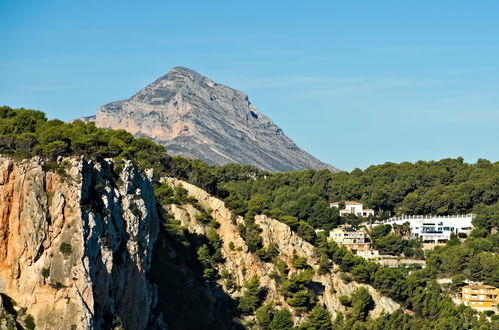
[(301, 200)]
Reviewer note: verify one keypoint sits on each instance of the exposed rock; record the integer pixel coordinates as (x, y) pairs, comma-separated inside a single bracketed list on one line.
[(195, 117), (87, 119), (76, 245), (242, 264)]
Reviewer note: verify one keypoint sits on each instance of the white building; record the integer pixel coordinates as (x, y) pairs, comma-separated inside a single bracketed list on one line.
[(430, 228), (353, 208)]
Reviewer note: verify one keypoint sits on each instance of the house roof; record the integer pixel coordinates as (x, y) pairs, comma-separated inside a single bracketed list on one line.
[(347, 203), (478, 287)]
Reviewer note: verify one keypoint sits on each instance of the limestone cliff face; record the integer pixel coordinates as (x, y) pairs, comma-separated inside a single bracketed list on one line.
[(242, 264), (76, 243), (197, 118)]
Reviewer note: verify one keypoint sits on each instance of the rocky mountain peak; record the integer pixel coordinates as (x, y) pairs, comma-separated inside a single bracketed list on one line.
[(195, 117)]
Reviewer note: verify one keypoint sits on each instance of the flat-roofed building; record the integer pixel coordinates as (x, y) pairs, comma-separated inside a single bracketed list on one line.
[(353, 208), (432, 228), (350, 238), (480, 296)]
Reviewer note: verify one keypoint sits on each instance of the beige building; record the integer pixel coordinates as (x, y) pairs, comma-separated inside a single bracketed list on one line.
[(480, 296), (353, 208), (350, 238)]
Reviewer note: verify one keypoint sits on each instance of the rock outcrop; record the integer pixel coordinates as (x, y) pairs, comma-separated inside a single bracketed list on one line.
[(197, 118), (242, 264), (76, 243)]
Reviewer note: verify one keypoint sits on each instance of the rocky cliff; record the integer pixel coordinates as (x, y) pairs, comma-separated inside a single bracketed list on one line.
[(76, 243), (242, 264), (197, 118)]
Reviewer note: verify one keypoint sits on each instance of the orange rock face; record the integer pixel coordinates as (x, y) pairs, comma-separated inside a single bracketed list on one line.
[(68, 241)]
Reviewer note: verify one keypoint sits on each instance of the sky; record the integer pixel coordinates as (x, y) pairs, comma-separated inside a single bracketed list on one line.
[(355, 83)]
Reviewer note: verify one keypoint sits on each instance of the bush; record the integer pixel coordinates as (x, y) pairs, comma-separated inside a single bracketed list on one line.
[(46, 272), (66, 248), (345, 301), (282, 320), (29, 321), (299, 262), (252, 296)]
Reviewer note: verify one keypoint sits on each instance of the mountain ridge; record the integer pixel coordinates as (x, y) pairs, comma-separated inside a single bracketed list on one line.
[(195, 117)]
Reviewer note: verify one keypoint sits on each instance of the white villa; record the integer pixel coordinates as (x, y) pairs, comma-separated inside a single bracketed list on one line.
[(353, 208), (431, 228)]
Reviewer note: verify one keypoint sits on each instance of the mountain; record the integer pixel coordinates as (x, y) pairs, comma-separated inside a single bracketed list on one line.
[(193, 116)]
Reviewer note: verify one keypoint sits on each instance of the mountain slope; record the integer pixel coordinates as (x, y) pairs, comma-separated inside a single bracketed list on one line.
[(195, 117)]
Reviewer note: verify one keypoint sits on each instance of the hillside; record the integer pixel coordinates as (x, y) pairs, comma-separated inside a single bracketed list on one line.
[(236, 246), (195, 117)]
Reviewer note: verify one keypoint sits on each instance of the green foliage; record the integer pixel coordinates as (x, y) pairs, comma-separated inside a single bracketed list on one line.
[(324, 265), (390, 244), (301, 200), (269, 253), (306, 231), (318, 319), (45, 272), (252, 296), (345, 301), (299, 262), (57, 285), (66, 248), (362, 303), (282, 320), (29, 321), (282, 267), (264, 315), (297, 291), (251, 234), (396, 242), (163, 193), (210, 254), (476, 259)]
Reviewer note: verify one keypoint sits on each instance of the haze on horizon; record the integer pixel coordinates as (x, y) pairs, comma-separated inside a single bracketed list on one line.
[(354, 83)]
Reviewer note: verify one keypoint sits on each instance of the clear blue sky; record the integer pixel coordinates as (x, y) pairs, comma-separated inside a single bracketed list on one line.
[(354, 83)]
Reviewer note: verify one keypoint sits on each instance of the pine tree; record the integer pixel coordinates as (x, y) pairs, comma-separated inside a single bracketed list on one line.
[(319, 319), (251, 297), (282, 320), (264, 315)]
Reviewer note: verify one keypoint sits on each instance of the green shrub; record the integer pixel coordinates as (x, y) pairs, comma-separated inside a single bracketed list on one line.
[(46, 272), (57, 285), (345, 301), (29, 321), (66, 248), (252, 296)]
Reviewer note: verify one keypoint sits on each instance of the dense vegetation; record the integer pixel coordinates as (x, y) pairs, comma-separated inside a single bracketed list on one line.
[(300, 199)]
